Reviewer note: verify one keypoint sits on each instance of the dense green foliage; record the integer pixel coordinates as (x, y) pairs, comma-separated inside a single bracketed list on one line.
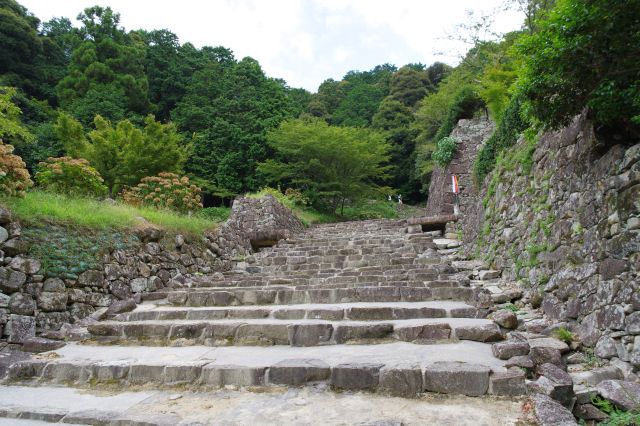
[(73, 176), (585, 54), (445, 151), (330, 165), (124, 154)]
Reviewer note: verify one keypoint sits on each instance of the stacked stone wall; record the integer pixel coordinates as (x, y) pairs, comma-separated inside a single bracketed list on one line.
[(31, 299), (563, 220)]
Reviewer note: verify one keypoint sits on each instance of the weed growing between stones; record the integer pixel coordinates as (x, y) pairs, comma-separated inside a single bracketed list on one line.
[(564, 335), (617, 417)]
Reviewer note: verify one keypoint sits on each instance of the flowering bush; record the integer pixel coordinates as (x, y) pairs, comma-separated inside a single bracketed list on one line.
[(14, 176), (73, 176), (166, 190)]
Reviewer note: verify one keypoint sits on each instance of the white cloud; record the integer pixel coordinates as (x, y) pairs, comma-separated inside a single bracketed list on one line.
[(302, 41)]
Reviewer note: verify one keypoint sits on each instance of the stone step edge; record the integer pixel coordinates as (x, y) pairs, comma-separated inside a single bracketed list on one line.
[(299, 312), (477, 296), (313, 334), (88, 417), (440, 377)]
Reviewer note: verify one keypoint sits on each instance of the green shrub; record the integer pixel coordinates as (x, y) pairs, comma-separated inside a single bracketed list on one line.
[(506, 135), (73, 176), (464, 105), (216, 214), (14, 176), (585, 54), (166, 190), (564, 335), (445, 151)]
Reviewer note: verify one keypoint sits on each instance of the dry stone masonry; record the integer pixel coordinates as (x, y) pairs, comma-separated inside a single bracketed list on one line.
[(32, 302)]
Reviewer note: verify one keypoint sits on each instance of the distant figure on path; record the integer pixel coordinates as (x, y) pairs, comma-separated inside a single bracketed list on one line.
[(399, 199)]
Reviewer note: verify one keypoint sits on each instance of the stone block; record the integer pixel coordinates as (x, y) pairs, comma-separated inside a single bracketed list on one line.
[(309, 334), (624, 394), (106, 329), (67, 372), (40, 344), (369, 313), (26, 369), (296, 372), (262, 334), (508, 383), (555, 383), (345, 333), (479, 333), (548, 412), (510, 349), (121, 306), (22, 304), (457, 378), (91, 279), (19, 328), (222, 375), (545, 355), (506, 319), (411, 313), (326, 314), (52, 301), (109, 372), (356, 376), (523, 361), (404, 382), (185, 373), (11, 281), (186, 331), (140, 374), (425, 332)]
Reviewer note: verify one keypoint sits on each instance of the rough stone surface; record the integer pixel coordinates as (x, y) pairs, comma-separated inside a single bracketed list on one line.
[(356, 376), (550, 413), (506, 319), (457, 378), (623, 394), (567, 229), (510, 349), (297, 372)]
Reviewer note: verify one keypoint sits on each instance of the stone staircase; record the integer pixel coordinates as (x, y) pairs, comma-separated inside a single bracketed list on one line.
[(357, 306)]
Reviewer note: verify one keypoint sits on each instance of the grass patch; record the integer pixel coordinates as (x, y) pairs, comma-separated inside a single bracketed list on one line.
[(564, 335), (366, 209), (38, 206)]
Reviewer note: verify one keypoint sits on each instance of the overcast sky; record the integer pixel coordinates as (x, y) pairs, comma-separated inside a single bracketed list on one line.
[(302, 41)]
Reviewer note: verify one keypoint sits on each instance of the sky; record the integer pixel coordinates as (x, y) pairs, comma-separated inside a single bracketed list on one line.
[(304, 41)]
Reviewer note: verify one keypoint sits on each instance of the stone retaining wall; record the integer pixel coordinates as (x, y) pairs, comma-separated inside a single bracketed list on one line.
[(569, 231), (469, 134), (30, 300)]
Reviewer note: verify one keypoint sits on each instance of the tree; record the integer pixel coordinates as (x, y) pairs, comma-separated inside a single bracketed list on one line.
[(330, 165), (106, 74), (19, 45), (10, 126), (396, 119), (585, 53), (228, 109), (409, 85), (124, 154)]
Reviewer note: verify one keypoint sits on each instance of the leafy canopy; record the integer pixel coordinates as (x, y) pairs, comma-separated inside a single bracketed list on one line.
[(329, 164), (124, 154)]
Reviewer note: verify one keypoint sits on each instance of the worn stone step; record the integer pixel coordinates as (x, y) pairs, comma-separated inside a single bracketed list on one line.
[(269, 331), (354, 311), (398, 368), (231, 407), (287, 296)]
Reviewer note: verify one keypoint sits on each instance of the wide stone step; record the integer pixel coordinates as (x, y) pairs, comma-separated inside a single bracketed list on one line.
[(299, 405), (398, 368), (340, 311), (264, 332), (290, 296)]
